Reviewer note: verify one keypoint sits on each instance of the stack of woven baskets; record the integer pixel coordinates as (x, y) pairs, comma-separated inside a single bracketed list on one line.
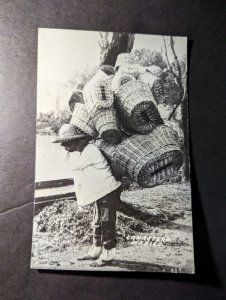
[(120, 112)]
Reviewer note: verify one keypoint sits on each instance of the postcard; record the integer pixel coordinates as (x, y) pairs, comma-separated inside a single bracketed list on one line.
[(112, 173)]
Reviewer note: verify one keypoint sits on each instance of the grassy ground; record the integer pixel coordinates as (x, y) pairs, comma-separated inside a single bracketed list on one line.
[(158, 238)]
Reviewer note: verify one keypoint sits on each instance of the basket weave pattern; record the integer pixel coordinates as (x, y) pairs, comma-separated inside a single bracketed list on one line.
[(123, 59), (128, 90), (155, 85), (155, 70), (106, 123), (137, 104), (107, 148), (131, 69), (82, 120), (135, 156), (158, 92), (150, 152), (99, 96), (148, 78), (145, 117), (102, 94), (158, 172), (119, 80)]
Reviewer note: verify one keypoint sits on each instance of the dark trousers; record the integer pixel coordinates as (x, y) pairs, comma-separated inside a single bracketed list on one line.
[(104, 221)]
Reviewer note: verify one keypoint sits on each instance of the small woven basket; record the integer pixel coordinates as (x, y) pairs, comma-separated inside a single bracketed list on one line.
[(102, 94), (149, 159), (155, 70), (148, 78), (134, 70), (158, 92), (107, 125), (155, 85), (76, 97), (123, 59), (82, 120), (80, 86), (99, 95), (138, 107)]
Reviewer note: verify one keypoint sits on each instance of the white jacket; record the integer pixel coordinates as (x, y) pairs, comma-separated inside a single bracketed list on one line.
[(92, 175)]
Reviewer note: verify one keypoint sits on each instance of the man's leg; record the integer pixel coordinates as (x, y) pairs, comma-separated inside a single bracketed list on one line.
[(108, 221), (97, 224), (96, 248), (107, 206)]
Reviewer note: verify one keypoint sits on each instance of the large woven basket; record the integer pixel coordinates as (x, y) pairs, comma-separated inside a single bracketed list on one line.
[(107, 125), (149, 159), (98, 95), (155, 85), (138, 107), (118, 80), (108, 149), (158, 92), (82, 120), (131, 69)]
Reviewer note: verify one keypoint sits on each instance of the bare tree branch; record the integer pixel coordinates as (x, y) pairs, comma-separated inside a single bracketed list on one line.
[(178, 68), (177, 77), (167, 58), (182, 84), (184, 94)]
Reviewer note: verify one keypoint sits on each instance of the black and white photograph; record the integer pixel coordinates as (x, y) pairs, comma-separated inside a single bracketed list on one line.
[(112, 171)]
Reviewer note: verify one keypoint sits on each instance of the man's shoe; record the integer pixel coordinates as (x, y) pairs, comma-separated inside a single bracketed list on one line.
[(105, 258), (94, 253)]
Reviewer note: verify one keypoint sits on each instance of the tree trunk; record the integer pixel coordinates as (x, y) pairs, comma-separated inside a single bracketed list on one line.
[(121, 43)]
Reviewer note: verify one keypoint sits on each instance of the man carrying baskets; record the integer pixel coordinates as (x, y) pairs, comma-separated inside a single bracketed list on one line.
[(94, 183)]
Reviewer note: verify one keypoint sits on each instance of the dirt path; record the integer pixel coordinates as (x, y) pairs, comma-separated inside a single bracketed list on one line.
[(172, 255), (163, 245)]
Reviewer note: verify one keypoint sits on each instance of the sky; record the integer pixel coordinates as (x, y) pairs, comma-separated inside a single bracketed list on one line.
[(61, 51)]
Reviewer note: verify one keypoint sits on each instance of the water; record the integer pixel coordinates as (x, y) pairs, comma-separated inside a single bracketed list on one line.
[(51, 160)]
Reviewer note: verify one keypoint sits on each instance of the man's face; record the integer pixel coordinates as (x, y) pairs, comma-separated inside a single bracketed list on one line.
[(76, 145), (71, 146)]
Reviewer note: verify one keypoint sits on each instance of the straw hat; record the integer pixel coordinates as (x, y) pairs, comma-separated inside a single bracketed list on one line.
[(68, 133)]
